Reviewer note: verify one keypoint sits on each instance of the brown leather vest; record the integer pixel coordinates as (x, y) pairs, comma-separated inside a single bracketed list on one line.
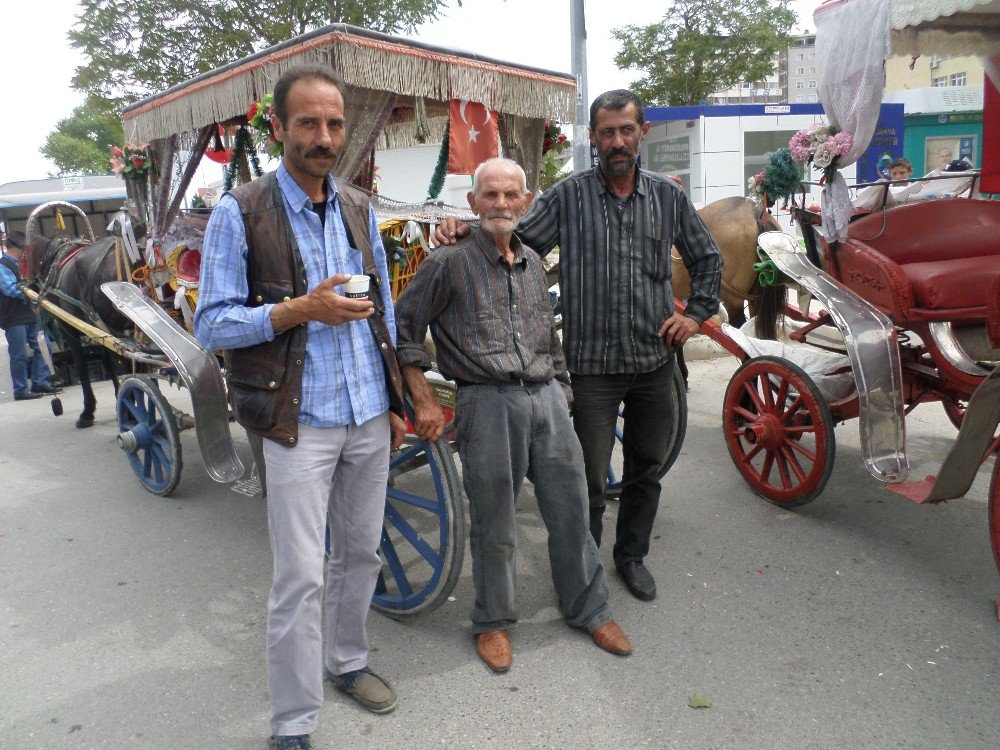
[(266, 379)]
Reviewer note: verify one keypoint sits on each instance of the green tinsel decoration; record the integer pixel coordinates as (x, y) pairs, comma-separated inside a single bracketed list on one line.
[(242, 144), (441, 168), (781, 175)]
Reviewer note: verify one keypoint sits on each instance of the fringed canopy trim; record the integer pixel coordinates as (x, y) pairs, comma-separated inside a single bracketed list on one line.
[(364, 59)]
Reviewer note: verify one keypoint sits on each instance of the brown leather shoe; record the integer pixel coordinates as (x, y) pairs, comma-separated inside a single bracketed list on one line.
[(494, 649), (611, 638)]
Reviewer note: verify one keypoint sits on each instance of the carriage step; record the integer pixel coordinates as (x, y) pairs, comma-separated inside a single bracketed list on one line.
[(918, 491)]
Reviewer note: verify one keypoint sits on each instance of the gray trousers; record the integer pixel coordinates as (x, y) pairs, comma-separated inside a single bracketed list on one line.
[(341, 472), (507, 432)]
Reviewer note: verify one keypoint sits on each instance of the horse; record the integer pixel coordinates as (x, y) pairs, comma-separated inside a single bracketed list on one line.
[(735, 223), (69, 273)]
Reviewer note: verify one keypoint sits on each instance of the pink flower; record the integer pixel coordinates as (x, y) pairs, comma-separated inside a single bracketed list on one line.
[(800, 154), (842, 143), (115, 151)]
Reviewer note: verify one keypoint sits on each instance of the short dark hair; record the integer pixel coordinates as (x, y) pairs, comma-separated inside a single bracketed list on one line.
[(901, 161), (298, 73), (16, 238), (616, 99)]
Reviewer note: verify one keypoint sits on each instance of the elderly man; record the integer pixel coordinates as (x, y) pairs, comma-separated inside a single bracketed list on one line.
[(314, 372), (615, 226), (486, 303)]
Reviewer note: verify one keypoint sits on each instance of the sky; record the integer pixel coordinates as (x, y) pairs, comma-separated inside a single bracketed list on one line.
[(36, 61)]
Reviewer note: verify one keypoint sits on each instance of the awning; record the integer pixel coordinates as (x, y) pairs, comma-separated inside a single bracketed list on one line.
[(365, 60), (68, 189)]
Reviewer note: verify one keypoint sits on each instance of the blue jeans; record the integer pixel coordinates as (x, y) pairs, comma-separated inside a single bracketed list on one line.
[(18, 339), (507, 432)]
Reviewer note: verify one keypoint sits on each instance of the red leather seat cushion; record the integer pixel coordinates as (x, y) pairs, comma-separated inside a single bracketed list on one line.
[(947, 284)]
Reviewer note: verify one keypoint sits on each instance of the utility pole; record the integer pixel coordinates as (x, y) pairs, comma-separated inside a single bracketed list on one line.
[(578, 51)]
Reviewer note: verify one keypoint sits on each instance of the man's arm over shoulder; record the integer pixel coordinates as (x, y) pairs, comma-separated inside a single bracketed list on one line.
[(701, 255), (539, 228), (222, 319)]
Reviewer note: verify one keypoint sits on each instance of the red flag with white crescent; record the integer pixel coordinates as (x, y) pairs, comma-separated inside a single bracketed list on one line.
[(473, 136)]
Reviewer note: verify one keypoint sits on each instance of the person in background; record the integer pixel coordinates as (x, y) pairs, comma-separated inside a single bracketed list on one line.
[(615, 226), (314, 373), (20, 325), (900, 170), (486, 303)]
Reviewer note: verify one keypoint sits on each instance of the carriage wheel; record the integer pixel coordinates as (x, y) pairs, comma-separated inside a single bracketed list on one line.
[(678, 428), (779, 431), (147, 432), (995, 511), (423, 535)]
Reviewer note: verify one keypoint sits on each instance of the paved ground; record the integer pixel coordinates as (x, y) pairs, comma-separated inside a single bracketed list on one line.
[(859, 621)]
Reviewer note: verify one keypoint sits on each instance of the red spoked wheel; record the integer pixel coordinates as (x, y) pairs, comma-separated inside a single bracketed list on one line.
[(779, 431)]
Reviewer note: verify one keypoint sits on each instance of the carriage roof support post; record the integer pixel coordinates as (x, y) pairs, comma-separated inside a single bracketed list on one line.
[(166, 216)]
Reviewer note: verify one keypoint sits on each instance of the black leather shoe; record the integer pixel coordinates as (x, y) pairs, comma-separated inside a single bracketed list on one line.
[(45, 390), (638, 580), (26, 396)]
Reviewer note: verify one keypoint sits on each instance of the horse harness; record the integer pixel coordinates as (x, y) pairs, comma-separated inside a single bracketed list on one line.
[(62, 257)]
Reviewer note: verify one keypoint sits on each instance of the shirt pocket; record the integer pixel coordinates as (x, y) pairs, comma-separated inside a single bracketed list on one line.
[(491, 331)]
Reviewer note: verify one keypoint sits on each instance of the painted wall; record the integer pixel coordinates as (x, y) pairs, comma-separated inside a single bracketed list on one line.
[(934, 139)]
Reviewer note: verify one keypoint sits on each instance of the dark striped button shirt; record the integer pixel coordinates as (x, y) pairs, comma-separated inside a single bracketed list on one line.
[(614, 267), (491, 321)]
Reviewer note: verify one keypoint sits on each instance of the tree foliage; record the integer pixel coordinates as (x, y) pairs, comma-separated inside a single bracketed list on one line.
[(704, 46), (79, 144), (134, 48)]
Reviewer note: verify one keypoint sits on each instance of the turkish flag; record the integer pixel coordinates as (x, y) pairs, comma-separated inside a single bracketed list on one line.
[(473, 136), (990, 181)]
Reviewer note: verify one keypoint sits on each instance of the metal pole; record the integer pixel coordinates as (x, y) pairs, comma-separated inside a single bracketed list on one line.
[(578, 47)]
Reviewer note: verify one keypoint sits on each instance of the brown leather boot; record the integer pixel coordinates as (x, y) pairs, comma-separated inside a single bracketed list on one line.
[(612, 638), (494, 649)]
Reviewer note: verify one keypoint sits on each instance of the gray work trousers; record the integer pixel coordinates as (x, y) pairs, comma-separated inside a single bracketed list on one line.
[(506, 432), (341, 472)]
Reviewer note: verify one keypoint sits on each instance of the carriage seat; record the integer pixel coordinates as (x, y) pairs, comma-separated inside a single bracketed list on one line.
[(933, 255)]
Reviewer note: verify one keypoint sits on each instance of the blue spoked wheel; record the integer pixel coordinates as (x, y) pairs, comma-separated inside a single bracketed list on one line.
[(678, 427), (423, 535), (148, 434)]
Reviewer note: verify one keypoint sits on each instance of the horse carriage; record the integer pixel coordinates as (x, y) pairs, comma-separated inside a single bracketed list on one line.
[(902, 309)]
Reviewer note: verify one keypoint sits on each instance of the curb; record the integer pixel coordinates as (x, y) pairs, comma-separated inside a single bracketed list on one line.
[(700, 347)]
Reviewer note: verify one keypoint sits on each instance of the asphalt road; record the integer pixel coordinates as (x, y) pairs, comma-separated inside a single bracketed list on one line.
[(859, 621)]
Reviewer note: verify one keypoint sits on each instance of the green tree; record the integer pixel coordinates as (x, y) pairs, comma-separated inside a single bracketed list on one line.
[(79, 144), (704, 46), (134, 48)]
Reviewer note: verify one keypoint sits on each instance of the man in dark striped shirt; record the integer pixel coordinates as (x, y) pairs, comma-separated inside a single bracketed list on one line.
[(486, 304), (615, 226)]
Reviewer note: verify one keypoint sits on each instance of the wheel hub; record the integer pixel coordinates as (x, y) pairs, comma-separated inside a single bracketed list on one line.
[(765, 429)]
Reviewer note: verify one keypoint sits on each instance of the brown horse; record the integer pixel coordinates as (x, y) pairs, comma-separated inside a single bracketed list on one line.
[(735, 224), (69, 273)]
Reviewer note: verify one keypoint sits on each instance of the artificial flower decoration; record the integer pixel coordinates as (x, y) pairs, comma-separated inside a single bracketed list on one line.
[(132, 162), (259, 118), (820, 145)]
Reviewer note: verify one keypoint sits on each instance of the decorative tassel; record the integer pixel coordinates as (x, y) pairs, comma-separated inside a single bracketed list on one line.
[(60, 222)]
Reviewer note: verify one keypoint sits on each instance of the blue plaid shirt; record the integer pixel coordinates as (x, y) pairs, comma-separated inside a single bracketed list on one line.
[(344, 380)]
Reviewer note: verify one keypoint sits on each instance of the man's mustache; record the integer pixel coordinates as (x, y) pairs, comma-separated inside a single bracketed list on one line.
[(321, 151), (621, 152), (501, 215)]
